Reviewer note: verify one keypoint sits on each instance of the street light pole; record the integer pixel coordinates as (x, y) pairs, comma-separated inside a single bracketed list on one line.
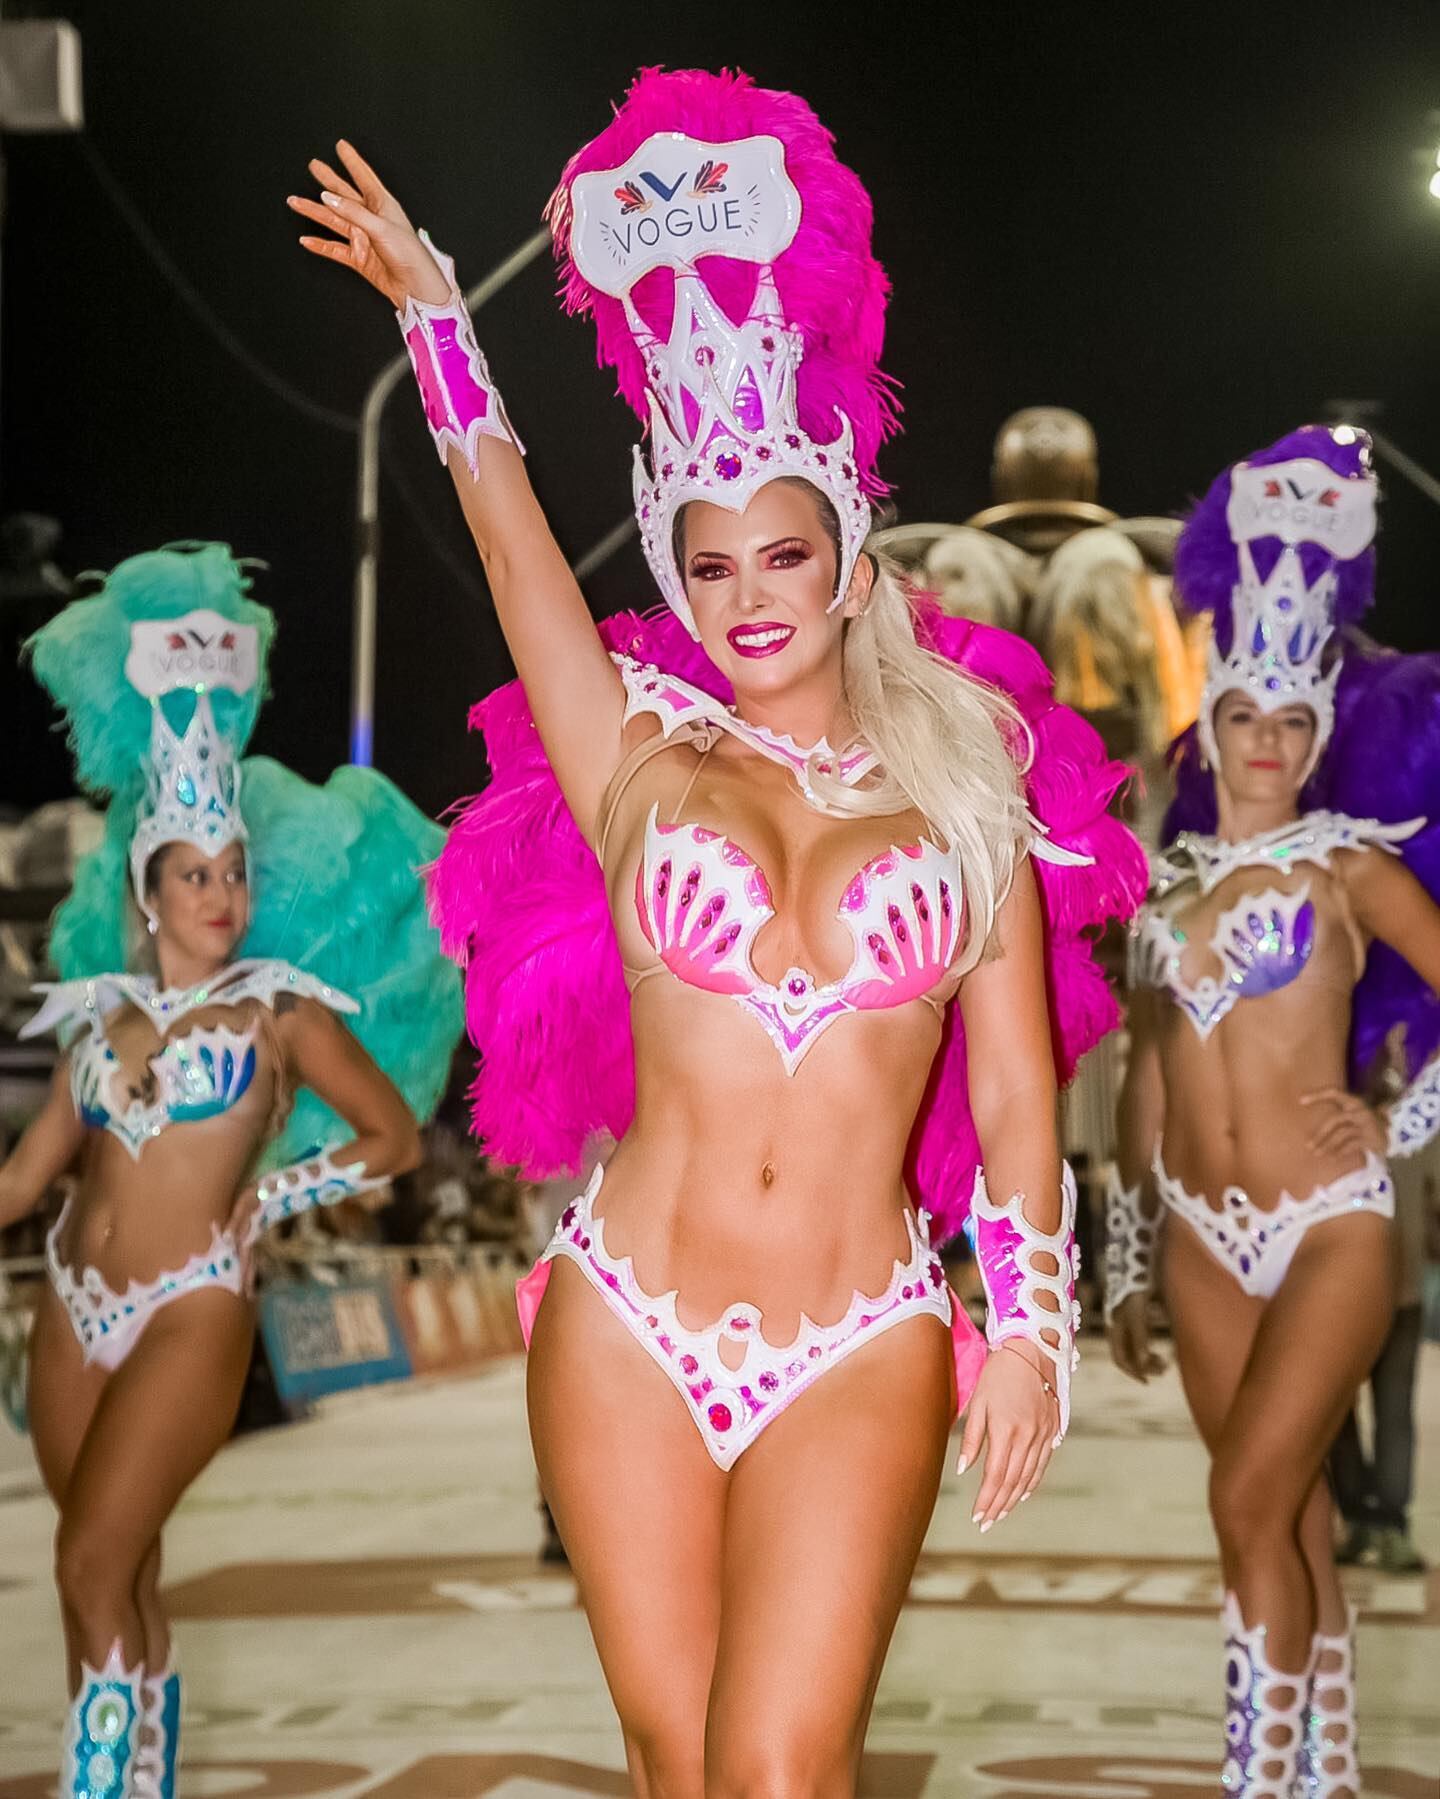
[(365, 605)]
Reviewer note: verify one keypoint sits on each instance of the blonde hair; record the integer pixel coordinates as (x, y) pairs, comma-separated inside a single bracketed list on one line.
[(949, 746)]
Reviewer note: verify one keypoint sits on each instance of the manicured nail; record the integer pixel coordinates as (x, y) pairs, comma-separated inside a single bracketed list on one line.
[(962, 1464), (989, 1522), (1023, 1498), (329, 198), (975, 1517), (1003, 1516)]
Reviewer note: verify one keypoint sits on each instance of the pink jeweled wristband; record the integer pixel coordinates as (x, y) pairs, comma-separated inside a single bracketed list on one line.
[(1006, 1248), (462, 403)]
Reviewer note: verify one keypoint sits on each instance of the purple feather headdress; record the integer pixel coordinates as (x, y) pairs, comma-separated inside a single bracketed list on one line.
[(1267, 552), (723, 252), (1207, 558)]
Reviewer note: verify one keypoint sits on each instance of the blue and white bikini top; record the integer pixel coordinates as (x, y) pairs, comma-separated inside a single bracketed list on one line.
[(1265, 940), (198, 1075)]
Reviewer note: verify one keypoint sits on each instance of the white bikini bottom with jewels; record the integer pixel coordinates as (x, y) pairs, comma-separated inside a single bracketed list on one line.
[(1255, 1246), (108, 1324), (732, 1405)]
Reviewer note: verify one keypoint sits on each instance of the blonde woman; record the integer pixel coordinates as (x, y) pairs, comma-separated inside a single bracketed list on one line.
[(743, 1370)]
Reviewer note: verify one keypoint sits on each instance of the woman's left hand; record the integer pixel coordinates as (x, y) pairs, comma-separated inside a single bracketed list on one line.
[(1343, 1121), (1015, 1416), (243, 1228)]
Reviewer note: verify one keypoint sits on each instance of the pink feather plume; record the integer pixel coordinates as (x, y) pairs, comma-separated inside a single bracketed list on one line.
[(831, 288)]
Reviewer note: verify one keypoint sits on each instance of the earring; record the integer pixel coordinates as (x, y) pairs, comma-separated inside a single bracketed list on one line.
[(152, 926)]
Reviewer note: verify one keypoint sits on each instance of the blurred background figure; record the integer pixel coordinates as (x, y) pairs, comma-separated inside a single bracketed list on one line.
[(1374, 1487), (33, 588), (1090, 589)]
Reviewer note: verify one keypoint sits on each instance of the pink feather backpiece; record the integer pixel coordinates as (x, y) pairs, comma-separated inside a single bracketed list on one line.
[(520, 903)]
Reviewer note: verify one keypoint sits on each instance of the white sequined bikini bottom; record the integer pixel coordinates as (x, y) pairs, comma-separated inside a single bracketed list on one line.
[(732, 1405), (1255, 1246), (108, 1324)]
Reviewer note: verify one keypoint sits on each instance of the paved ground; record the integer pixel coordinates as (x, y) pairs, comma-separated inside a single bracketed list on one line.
[(361, 1614)]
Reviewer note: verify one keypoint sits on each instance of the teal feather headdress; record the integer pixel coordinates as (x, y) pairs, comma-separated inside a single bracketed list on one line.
[(335, 876), (79, 658)]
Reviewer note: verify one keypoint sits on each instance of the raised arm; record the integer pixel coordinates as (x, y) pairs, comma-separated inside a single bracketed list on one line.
[(48, 1147), (573, 688), (1391, 905), (325, 1057), (1132, 1207), (1024, 1212)]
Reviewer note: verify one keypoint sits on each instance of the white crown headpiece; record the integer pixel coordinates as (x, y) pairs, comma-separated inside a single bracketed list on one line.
[(723, 416), (1280, 627), (192, 777)]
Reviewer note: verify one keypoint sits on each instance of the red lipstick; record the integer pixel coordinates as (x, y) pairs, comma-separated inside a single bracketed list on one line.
[(759, 639)]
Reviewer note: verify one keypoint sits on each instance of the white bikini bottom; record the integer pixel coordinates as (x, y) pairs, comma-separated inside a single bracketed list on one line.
[(108, 1324), (731, 1399), (1255, 1246)]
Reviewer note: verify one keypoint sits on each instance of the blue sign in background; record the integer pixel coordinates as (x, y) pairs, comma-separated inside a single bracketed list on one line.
[(325, 1339)]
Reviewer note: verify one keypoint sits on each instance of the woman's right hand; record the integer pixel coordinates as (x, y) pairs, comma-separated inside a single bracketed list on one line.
[(372, 234), (1129, 1334)]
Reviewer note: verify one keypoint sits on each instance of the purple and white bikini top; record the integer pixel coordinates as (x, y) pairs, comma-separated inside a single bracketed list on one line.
[(197, 1075), (701, 900), (1265, 940)]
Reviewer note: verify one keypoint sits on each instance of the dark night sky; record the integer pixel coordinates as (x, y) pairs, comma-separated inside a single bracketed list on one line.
[(1194, 225)]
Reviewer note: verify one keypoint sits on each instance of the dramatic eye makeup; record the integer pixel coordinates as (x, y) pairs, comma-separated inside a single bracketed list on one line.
[(788, 554)]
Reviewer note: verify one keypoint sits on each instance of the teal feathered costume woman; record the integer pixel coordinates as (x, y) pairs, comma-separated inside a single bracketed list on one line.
[(207, 952)]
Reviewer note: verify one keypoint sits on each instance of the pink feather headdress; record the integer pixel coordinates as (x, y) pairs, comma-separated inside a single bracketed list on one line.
[(723, 252)]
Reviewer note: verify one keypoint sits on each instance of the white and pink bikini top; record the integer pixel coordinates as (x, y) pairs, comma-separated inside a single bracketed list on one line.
[(701, 900)]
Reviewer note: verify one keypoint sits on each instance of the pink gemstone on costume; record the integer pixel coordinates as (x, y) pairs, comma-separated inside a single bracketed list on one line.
[(739, 1324), (688, 1364), (769, 1383), (727, 466), (720, 1417)]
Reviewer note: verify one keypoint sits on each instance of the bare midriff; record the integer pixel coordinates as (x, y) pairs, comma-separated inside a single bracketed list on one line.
[(136, 1217), (738, 1181), (1233, 1111)]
